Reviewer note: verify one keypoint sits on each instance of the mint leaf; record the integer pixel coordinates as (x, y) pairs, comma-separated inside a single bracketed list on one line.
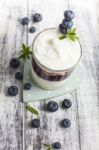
[(71, 35), (32, 110), (23, 46), (62, 37), (25, 52), (73, 30), (47, 146)]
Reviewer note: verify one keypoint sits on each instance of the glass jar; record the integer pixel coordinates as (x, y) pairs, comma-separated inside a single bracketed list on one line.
[(47, 78)]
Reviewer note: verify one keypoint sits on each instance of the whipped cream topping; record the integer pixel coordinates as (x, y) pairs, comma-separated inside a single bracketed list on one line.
[(56, 54)]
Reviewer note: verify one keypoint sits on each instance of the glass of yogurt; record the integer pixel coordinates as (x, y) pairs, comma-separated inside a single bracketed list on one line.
[(53, 60)]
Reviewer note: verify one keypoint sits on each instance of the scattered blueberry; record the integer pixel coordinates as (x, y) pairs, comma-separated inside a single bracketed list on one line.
[(32, 29), (52, 106), (37, 17), (12, 91), (66, 123), (25, 21), (69, 15), (66, 103), (27, 86), (35, 123), (14, 62), (67, 24), (62, 29), (57, 145), (19, 75)]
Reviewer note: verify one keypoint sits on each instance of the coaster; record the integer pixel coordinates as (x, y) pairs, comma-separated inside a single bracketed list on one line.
[(37, 93)]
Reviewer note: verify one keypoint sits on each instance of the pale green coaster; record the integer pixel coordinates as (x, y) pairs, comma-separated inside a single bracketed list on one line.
[(37, 93)]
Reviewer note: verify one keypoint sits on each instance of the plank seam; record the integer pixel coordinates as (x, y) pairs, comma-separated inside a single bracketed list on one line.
[(79, 134)]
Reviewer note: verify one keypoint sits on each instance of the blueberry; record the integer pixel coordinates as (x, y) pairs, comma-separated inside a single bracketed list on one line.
[(66, 103), (14, 62), (19, 75), (25, 21), (69, 15), (52, 106), (27, 86), (66, 123), (12, 91), (37, 17), (57, 145), (62, 29), (32, 29), (67, 24), (35, 123)]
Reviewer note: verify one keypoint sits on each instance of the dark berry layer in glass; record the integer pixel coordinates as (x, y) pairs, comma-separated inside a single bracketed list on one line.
[(50, 76)]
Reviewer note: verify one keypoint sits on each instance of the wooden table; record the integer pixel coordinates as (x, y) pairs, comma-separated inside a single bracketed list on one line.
[(15, 132)]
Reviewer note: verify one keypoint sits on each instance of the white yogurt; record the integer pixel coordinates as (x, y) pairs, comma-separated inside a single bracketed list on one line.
[(56, 54)]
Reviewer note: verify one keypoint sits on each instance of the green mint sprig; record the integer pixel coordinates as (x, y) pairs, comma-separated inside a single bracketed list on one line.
[(32, 110), (47, 146), (25, 52), (71, 35)]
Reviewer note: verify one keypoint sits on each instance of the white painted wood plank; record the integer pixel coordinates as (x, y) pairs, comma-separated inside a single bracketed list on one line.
[(50, 130), (88, 95), (12, 34)]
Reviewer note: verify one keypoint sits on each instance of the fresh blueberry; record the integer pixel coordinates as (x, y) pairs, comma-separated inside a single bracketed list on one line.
[(14, 62), (27, 86), (12, 91), (66, 123), (52, 106), (25, 21), (69, 15), (57, 145), (19, 75), (67, 24), (66, 103), (37, 17), (32, 29), (35, 123), (62, 29)]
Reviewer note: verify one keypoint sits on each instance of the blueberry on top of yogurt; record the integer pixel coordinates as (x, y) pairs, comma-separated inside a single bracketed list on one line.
[(69, 15), (62, 29), (67, 22)]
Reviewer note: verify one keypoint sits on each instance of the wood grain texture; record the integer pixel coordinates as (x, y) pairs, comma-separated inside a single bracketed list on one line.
[(84, 113), (50, 130), (86, 98), (11, 109), (88, 94)]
